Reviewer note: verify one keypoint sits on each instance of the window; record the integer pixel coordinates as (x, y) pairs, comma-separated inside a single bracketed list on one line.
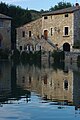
[(45, 17), (20, 47), (51, 31), (66, 85), (29, 33), (66, 15), (1, 23), (66, 30), (23, 33)]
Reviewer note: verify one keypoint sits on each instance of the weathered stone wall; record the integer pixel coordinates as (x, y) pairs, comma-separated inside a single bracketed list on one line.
[(5, 34), (57, 23), (77, 26), (34, 27)]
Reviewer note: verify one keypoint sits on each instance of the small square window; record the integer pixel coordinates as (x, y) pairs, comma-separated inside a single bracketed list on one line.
[(66, 15), (45, 17)]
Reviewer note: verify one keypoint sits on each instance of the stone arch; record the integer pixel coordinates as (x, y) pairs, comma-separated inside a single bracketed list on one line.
[(66, 47), (1, 38), (45, 34)]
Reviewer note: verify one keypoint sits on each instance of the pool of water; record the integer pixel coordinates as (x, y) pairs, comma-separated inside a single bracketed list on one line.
[(34, 108)]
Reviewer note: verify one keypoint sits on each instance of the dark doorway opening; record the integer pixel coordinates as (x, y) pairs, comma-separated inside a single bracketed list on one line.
[(45, 34), (66, 47)]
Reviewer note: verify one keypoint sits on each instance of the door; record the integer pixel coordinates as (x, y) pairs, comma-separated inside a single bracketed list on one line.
[(45, 34)]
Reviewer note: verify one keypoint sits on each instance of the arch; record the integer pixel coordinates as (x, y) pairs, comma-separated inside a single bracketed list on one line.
[(66, 47), (45, 34)]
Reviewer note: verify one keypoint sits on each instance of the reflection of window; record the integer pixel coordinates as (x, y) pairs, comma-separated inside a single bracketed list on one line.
[(29, 79), (66, 85), (45, 79), (23, 79)]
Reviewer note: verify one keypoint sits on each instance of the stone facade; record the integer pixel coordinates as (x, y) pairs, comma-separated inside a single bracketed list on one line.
[(5, 32), (60, 29), (29, 37)]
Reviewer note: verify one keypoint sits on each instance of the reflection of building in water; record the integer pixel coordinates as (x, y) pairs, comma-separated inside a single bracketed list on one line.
[(50, 84), (5, 79), (58, 86), (28, 77), (76, 88)]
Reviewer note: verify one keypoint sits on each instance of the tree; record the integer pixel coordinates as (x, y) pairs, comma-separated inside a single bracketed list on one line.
[(60, 5)]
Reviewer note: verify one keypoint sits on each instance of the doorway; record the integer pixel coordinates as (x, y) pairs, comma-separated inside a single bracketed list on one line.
[(45, 34), (66, 47)]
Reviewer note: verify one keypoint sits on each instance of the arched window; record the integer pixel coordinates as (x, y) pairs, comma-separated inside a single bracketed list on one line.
[(66, 47)]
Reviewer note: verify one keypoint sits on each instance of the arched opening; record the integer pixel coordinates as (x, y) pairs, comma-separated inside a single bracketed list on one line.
[(66, 47), (45, 34)]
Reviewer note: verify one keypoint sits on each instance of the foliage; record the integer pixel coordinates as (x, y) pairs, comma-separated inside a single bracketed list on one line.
[(76, 44), (30, 57), (4, 54), (60, 5), (19, 17), (22, 16), (58, 56), (15, 55)]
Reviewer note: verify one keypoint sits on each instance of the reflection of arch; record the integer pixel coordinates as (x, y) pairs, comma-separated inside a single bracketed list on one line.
[(66, 47), (1, 38), (46, 34)]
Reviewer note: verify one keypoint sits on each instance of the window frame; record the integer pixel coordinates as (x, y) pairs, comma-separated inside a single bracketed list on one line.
[(66, 32)]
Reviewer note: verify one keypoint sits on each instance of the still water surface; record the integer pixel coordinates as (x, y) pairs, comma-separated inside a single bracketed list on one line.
[(47, 92)]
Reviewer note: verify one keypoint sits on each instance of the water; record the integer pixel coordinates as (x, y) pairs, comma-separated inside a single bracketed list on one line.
[(47, 92)]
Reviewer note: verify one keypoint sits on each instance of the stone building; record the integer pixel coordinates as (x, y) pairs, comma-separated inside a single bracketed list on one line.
[(60, 29), (29, 37), (5, 32)]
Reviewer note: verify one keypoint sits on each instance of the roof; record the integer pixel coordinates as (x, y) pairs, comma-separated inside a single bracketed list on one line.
[(2, 16), (62, 11)]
